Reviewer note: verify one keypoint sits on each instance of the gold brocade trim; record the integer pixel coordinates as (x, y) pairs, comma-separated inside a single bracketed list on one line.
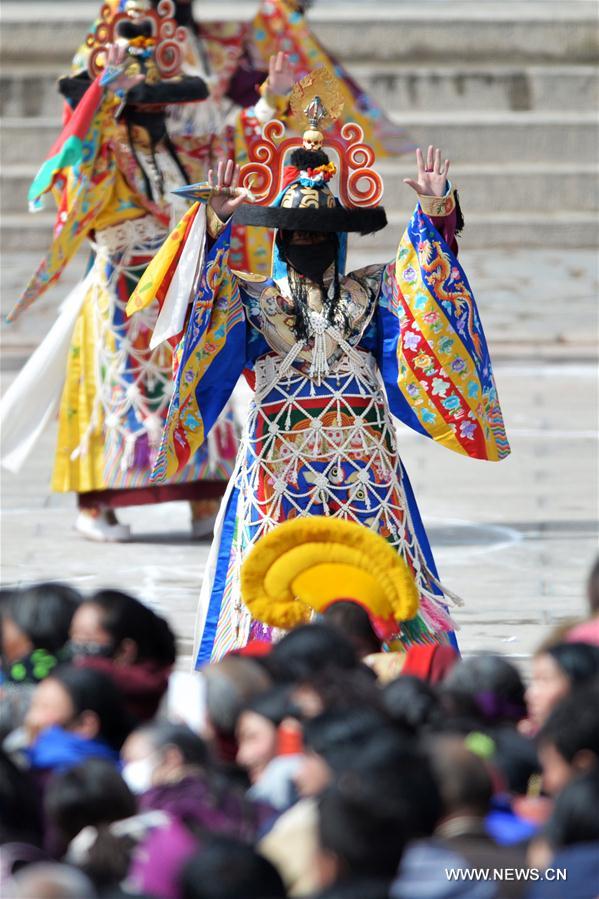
[(252, 277), (278, 102), (437, 207), (214, 224)]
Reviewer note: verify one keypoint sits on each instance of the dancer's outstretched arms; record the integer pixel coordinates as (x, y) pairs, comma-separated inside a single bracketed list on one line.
[(432, 350)]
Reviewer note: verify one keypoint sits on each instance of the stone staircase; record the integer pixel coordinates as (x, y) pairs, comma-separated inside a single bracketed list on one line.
[(509, 90)]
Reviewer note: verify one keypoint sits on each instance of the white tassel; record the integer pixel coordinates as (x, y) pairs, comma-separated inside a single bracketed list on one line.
[(153, 427), (320, 365), (128, 452), (83, 448), (448, 594)]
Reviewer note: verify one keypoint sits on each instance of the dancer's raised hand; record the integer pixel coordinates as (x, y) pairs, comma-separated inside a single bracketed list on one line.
[(280, 74), (227, 181), (113, 77), (432, 174)]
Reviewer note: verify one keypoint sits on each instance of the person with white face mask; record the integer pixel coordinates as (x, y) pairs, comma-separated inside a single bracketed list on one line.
[(169, 767), (138, 774), (162, 754), (139, 761)]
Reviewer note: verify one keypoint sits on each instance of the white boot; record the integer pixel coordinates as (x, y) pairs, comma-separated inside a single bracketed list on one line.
[(102, 526)]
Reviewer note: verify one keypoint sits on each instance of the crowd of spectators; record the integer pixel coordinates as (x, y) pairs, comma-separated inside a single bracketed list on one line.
[(313, 767)]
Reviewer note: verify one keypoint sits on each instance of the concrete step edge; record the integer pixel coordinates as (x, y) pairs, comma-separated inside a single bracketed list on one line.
[(404, 164), (395, 217), (15, 11), (408, 118), (559, 69), (17, 68)]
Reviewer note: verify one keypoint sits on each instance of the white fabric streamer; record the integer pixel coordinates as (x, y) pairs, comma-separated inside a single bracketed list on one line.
[(33, 397), (172, 315)]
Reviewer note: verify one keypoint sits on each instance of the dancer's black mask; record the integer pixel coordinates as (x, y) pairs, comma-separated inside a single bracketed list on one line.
[(311, 260)]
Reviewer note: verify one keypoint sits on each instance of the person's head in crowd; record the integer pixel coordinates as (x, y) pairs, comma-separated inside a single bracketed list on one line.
[(230, 684), (115, 633), (514, 758), (353, 621), (336, 688), (35, 624), (568, 742), (75, 711), (464, 779), (258, 730), (115, 625), (556, 670), (49, 880), (20, 810), (379, 793), (371, 811), (171, 769), (333, 741), (487, 689), (575, 816), (161, 753), (92, 794), (359, 842), (573, 822), (229, 869), (406, 772), (412, 704), (311, 649)]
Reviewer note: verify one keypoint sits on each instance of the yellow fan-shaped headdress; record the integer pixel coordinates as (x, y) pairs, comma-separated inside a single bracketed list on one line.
[(307, 563)]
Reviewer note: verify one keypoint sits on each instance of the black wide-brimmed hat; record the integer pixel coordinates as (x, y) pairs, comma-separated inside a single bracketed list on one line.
[(187, 89), (362, 221), (308, 204)]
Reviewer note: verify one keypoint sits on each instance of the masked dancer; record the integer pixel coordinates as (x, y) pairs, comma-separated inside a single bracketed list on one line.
[(332, 357)]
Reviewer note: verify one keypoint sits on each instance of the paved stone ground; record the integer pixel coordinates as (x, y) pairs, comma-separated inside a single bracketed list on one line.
[(515, 539)]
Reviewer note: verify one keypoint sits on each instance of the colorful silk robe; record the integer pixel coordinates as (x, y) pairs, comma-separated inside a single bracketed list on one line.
[(406, 341), (116, 389)]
